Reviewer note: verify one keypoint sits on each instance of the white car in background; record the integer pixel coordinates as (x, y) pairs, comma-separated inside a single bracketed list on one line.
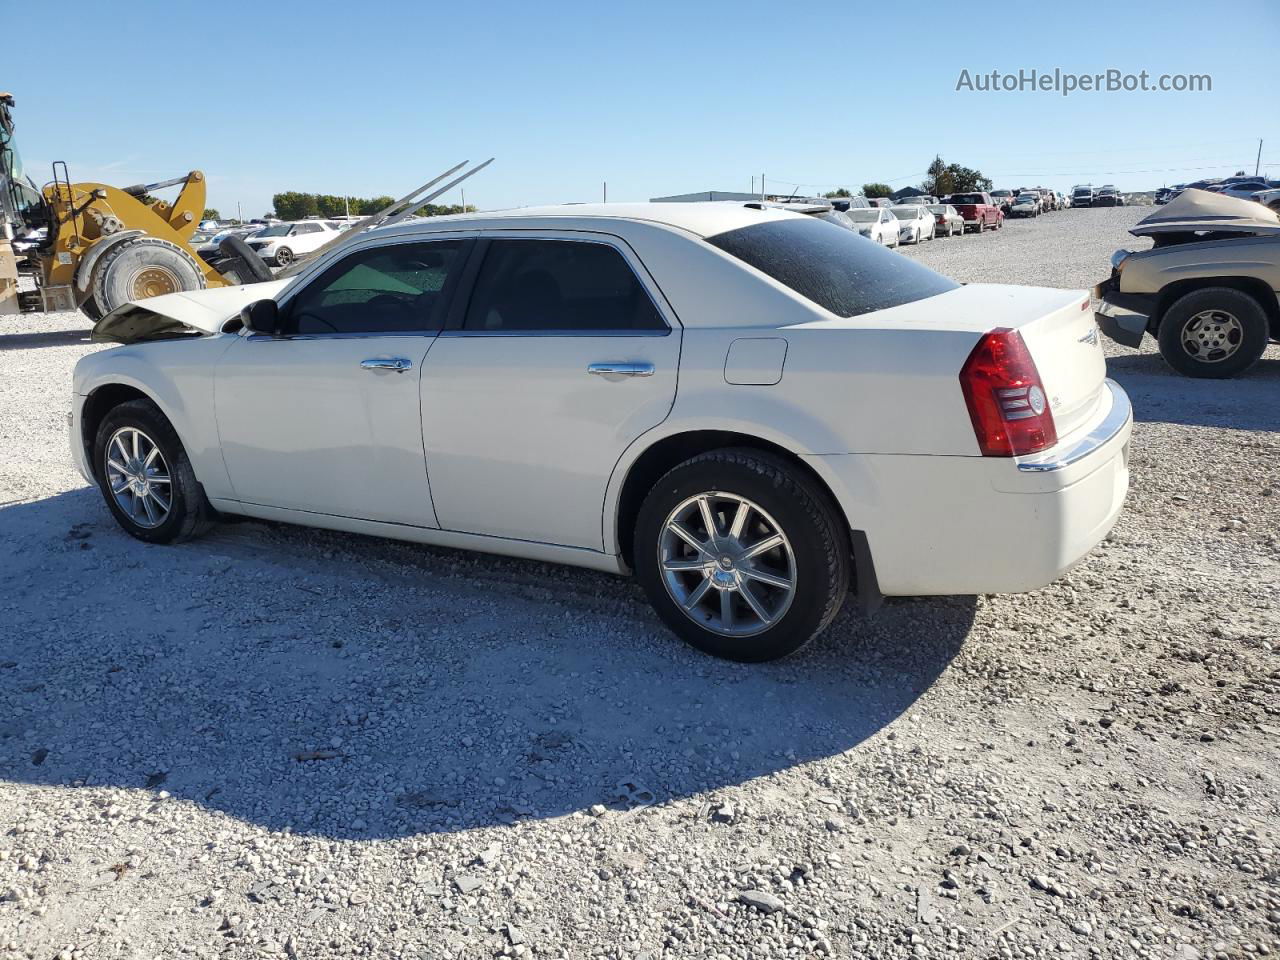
[(751, 409), (878, 224), (915, 223), (1026, 205), (283, 243)]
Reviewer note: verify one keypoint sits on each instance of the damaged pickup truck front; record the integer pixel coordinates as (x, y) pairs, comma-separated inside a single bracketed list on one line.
[(1206, 290)]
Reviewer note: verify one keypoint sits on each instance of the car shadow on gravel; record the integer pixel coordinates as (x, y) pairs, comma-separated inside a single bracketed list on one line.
[(1160, 395), (355, 688)]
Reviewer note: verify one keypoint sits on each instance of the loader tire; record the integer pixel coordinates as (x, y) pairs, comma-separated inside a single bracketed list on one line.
[(143, 267)]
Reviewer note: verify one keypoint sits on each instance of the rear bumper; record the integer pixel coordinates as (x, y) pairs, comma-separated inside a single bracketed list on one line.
[(972, 525)]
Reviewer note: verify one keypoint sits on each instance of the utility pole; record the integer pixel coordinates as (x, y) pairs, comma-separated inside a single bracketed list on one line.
[(1258, 163), (346, 203), (239, 215), (762, 188), (605, 190), (753, 184), (464, 199)]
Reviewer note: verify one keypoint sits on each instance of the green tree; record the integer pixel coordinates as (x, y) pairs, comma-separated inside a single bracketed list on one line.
[(839, 192), (938, 180), (292, 205), (873, 190), (967, 179), (211, 214)]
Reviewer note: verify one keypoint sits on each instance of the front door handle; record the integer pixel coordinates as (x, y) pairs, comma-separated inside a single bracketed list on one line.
[(621, 369), (398, 364)]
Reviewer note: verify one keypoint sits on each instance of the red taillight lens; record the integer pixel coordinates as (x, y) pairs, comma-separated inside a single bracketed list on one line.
[(1006, 399)]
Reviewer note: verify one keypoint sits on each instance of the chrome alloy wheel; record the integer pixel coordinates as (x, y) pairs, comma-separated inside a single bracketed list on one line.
[(727, 564), (138, 477), (1212, 336)]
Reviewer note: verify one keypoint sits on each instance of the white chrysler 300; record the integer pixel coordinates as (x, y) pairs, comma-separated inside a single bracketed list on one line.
[(754, 410)]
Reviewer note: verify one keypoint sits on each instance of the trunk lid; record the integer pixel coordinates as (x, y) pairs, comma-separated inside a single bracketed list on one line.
[(1067, 349)]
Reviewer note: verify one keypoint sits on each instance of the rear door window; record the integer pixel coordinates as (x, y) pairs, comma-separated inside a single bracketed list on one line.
[(838, 270)]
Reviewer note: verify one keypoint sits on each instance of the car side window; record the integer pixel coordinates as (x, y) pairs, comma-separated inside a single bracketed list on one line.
[(396, 288), (567, 286)]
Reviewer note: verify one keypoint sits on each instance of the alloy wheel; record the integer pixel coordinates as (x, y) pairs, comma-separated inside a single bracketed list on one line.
[(727, 564), (138, 477)]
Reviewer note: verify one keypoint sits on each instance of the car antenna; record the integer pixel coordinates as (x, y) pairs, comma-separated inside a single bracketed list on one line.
[(392, 213)]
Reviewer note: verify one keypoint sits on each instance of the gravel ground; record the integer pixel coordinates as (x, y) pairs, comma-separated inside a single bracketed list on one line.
[(280, 742)]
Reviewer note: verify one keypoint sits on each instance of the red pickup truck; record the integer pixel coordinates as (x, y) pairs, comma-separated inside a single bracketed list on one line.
[(977, 209)]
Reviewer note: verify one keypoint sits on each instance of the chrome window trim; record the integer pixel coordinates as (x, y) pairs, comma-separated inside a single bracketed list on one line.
[(1117, 418)]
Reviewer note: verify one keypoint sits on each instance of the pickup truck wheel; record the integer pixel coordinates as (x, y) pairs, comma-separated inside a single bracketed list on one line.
[(982, 226), (145, 476), (1213, 332), (742, 555)]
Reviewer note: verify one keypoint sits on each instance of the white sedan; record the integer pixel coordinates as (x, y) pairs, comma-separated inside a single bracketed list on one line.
[(283, 243), (878, 224), (754, 411), (915, 223)]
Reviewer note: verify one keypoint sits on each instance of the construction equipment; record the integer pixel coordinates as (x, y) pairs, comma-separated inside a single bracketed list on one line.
[(97, 247), (102, 245)]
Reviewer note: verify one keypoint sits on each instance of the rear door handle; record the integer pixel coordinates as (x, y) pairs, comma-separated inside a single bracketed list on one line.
[(398, 364), (621, 369)]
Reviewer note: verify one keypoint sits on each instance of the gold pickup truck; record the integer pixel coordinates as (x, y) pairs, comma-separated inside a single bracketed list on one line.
[(1207, 289)]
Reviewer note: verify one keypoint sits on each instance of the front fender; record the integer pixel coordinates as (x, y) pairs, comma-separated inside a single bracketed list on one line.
[(178, 377)]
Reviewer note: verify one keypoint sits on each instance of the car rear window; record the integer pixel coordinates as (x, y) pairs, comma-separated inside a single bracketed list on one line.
[(836, 269)]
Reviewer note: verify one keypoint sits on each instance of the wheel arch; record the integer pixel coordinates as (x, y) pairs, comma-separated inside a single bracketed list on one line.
[(638, 476), (1258, 289)]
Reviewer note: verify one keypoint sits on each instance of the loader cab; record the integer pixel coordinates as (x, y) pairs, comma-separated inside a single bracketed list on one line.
[(22, 205)]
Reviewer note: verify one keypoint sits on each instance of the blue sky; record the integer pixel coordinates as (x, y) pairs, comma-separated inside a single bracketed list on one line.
[(654, 98)]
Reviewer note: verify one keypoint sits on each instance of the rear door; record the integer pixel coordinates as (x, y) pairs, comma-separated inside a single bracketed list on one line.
[(563, 354)]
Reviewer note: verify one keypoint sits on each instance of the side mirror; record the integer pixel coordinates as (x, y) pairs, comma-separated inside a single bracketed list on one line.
[(262, 316)]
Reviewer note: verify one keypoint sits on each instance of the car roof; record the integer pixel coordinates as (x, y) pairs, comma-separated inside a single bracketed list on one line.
[(703, 218)]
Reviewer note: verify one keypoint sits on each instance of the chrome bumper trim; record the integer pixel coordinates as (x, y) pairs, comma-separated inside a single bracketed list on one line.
[(1116, 419)]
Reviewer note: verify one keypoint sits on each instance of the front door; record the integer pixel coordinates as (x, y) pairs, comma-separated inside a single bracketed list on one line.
[(325, 418), (562, 358)]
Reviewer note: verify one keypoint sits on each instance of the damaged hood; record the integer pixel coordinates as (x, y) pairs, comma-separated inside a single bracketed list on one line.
[(182, 314), (1201, 210)]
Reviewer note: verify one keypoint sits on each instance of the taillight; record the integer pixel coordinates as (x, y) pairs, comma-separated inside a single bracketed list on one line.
[(1006, 399)]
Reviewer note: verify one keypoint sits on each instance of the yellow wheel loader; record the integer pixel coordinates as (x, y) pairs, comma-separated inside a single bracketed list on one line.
[(94, 247)]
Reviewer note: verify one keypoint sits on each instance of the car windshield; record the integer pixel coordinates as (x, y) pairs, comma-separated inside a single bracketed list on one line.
[(937, 208), (279, 230), (1001, 193), (1028, 198), (865, 216), (834, 268), (905, 213), (967, 198)]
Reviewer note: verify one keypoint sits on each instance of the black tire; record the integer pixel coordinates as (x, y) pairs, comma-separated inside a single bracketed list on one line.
[(801, 511), (249, 267), (1249, 343), (189, 513), (284, 257), (90, 308), (122, 275)]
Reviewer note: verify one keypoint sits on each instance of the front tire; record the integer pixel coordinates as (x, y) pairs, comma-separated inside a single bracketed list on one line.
[(742, 555), (284, 257), (1214, 332), (145, 476)]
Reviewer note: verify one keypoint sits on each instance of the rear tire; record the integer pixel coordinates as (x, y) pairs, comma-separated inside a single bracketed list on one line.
[(1213, 332), (775, 601), (154, 496), (143, 267)]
